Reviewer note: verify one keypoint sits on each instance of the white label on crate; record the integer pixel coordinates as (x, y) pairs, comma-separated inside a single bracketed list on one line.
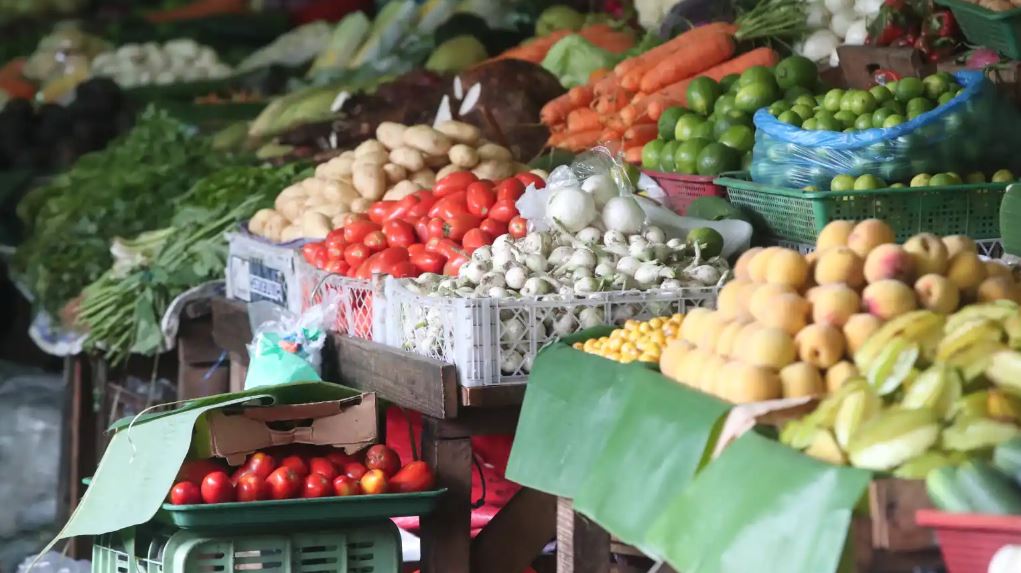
[(267, 289), (240, 286)]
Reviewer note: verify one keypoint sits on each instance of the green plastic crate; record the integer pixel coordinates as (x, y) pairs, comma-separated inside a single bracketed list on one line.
[(1000, 31), (365, 548), (798, 216)]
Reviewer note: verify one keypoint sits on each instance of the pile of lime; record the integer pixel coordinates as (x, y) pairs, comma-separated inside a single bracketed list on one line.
[(715, 132), (844, 183), (879, 107)]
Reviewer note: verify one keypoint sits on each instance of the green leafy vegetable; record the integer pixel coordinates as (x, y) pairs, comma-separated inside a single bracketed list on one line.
[(573, 58)]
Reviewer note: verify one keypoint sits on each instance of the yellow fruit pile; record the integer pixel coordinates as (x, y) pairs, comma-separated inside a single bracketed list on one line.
[(788, 325), (641, 341)]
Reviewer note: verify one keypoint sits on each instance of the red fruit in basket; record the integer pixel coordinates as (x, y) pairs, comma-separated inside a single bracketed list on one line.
[(403, 269), (416, 476), (528, 178), (339, 459), (380, 457), (518, 227), (297, 464), (337, 267), (323, 467), (261, 464), (284, 483), (194, 470), (509, 188), (453, 266), (355, 470), (503, 211), (252, 487), (344, 485), (356, 254), (456, 181), (313, 252), (474, 239), (185, 493), (374, 482), (236, 475), (399, 234), (493, 227), (480, 197), (356, 231), (317, 485), (217, 488), (335, 245), (427, 262), (375, 241)]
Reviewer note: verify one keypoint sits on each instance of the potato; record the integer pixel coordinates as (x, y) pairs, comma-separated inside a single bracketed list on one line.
[(292, 210), (345, 218), (463, 155), (315, 225), (374, 157), (425, 178), (258, 220), (369, 146), (290, 233), (336, 168), (395, 173), (332, 210), (494, 170), (443, 172), (408, 158), (362, 204), (339, 192), (391, 134), (427, 140), (401, 190), (274, 227), (369, 181), (460, 131), (493, 151), (289, 194)]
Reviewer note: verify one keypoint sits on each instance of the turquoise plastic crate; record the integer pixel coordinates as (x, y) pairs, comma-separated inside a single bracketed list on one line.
[(366, 548)]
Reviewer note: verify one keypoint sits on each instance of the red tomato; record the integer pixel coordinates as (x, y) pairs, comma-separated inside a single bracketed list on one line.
[(297, 465), (380, 457), (493, 227), (480, 198), (380, 211), (313, 252), (355, 232), (261, 464), (509, 188), (217, 488), (445, 247), (456, 181), (355, 254), (474, 239), (518, 227), (427, 262), (503, 211), (416, 476), (383, 261), (339, 459), (317, 485), (399, 233), (436, 228), (454, 265), (355, 470), (322, 466), (251, 487), (195, 470), (450, 206), (528, 178), (454, 228), (403, 270), (335, 244), (344, 485), (374, 482), (337, 267), (375, 241), (404, 206), (185, 493), (416, 249), (426, 200), (422, 229), (284, 483)]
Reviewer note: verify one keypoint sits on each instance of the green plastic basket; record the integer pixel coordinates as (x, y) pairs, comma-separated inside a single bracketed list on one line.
[(365, 548), (1000, 31), (798, 216)]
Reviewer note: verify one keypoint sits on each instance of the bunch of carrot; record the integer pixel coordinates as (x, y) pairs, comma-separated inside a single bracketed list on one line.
[(600, 35), (619, 108)]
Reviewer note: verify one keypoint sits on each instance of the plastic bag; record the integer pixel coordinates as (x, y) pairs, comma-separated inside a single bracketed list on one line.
[(975, 131), (286, 347), (53, 562)]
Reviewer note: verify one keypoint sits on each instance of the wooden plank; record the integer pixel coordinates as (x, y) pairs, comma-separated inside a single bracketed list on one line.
[(417, 382), (446, 533), (497, 396), (582, 546), (517, 534), (81, 447), (859, 63), (481, 422), (231, 329), (893, 503)]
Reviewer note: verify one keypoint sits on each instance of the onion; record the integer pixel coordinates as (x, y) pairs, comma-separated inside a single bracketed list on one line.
[(817, 17), (820, 44), (623, 214), (602, 188), (841, 22), (835, 6), (857, 33), (572, 207)]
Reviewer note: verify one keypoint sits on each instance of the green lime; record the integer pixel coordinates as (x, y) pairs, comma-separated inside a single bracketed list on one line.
[(724, 104), (842, 183), (863, 122), (668, 121), (796, 71), (954, 177), (893, 120), (790, 117), (666, 156), (778, 107), (702, 94), (724, 122), (880, 115), (757, 75), (828, 122), (944, 180), (897, 185), (809, 188), (810, 124), (651, 153), (806, 100), (909, 88), (846, 118), (729, 81), (1003, 176), (831, 101), (754, 96), (716, 158), (892, 86), (819, 99), (849, 129), (935, 86), (920, 180), (975, 177), (803, 110), (895, 106), (945, 98), (861, 102), (793, 94), (686, 125), (867, 182), (881, 93), (739, 138), (918, 106), (710, 241), (746, 161), (704, 130), (686, 155)]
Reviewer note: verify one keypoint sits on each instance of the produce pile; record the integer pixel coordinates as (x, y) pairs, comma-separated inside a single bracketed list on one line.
[(836, 22), (793, 325), (176, 61), (641, 341), (290, 472), (980, 487), (843, 183)]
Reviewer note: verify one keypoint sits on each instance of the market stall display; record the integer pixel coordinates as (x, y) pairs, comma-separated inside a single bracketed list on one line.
[(176, 61)]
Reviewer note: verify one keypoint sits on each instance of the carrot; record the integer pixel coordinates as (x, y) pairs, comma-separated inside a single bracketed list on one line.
[(605, 85), (609, 134), (612, 102), (583, 119), (580, 140), (597, 75), (640, 134), (607, 38), (633, 154), (556, 109), (689, 61), (634, 68), (580, 96), (534, 50)]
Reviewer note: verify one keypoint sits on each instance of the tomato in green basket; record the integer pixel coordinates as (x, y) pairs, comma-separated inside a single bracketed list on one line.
[(686, 155), (666, 156), (668, 120), (651, 153), (944, 179), (1003, 176), (975, 177), (920, 180), (702, 94), (717, 158)]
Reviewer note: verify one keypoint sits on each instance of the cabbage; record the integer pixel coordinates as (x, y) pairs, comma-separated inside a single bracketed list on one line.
[(574, 58)]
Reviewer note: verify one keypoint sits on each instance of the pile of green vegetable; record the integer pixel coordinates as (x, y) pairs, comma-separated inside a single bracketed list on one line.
[(121, 191)]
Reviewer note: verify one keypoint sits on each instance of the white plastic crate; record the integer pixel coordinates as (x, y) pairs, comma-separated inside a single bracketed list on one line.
[(258, 269), (483, 337), (361, 308)]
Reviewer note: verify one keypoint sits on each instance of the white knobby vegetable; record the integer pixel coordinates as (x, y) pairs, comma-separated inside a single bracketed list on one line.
[(816, 16), (651, 273), (492, 279), (654, 234), (582, 258), (605, 270), (590, 235), (498, 292), (671, 284), (536, 286), (503, 258), (675, 244), (590, 317), (564, 325), (628, 266), (642, 251), (535, 262), (474, 271), (835, 6), (841, 21), (857, 33), (581, 273), (511, 363), (708, 275), (820, 44), (560, 255), (614, 237), (867, 8), (586, 285), (515, 277), (512, 329), (572, 208), (537, 243), (602, 188), (624, 214)]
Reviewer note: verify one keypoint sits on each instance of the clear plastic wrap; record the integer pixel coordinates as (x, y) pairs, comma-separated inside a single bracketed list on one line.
[(975, 131), (287, 347)]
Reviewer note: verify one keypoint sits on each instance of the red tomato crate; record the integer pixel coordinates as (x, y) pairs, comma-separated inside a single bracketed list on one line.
[(358, 314), (681, 189), (969, 541)]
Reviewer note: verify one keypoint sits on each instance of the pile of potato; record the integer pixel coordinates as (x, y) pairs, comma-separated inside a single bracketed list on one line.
[(400, 161)]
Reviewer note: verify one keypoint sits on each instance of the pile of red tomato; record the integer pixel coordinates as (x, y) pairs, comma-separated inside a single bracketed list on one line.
[(429, 231), (300, 472)]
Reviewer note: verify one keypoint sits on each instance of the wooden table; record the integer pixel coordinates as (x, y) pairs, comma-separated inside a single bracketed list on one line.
[(451, 415)]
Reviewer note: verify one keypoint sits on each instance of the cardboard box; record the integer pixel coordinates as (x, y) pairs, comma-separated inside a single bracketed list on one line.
[(233, 433), (260, 270)]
